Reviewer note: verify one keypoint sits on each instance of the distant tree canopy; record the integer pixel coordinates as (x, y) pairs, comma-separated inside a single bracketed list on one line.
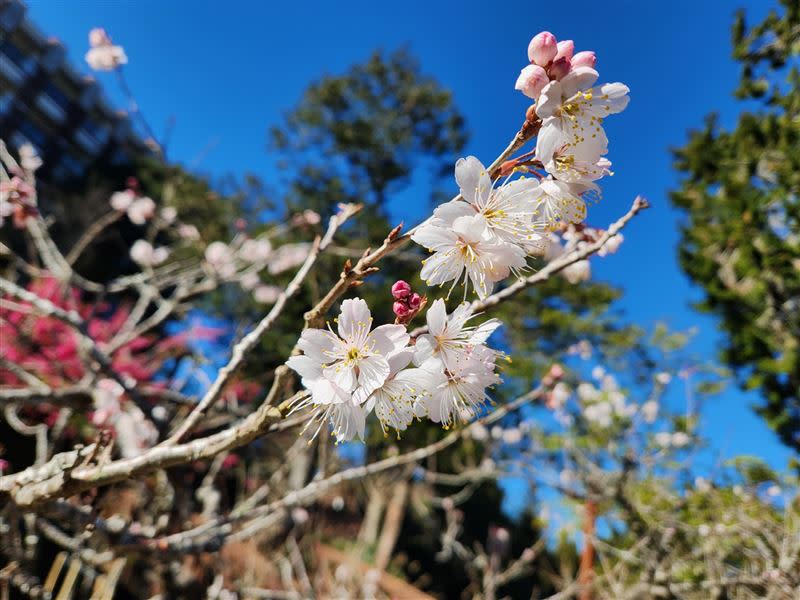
[(359, 136), (741, 239)]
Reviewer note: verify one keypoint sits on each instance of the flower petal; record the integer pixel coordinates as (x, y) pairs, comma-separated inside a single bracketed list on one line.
[(318, 344), (437, 318), (389, 338), (354, 319), (549, 100), (433, 237), (373, 372), (473, 180), (343, 375), (448, 212)]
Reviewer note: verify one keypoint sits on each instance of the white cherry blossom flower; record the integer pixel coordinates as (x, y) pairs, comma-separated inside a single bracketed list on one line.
[(650, 411), (599, 413), (249, 281), (508, 209), (680, 439), (571, 140), (357, 356), (663, 439), (449, 337), (256, 250), (578, 272), (328, 402), (356, 359), (141, 210), (138, 208), (220, 258), (121, 201), (106, 58), (265, 294), (103, 54), (288, 256), (467, 251), (401, 397), (169, 214), (557, 203), (134, 433), (188, 232), (342, 371), (559, 396), (144, 254), (663, 378), (460, 392)]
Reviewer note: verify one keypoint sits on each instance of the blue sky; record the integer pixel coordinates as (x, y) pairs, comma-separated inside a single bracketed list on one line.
[(227, 74)]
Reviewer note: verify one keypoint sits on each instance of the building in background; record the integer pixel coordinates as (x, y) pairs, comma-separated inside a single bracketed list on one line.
[(45, 101)]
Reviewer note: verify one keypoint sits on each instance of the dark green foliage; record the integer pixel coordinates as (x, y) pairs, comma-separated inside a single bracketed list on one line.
[(741, 238), (359, 136)]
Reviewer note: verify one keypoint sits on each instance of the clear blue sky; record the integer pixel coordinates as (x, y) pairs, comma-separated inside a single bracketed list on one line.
[(228, 70)]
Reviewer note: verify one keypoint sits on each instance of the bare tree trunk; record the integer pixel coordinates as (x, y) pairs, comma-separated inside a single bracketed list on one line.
[(586, 569), (368, 534), (395, 512), (298, 470)]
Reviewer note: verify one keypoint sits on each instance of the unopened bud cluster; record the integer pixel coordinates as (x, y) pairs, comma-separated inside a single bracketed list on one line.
[(407, 303)]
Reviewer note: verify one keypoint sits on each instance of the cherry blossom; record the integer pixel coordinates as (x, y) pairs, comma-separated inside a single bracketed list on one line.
[(449, 337), (134, 433), (255, 250), (220, 258), (343, 369), (572, 140), (287, 257), (467, 251), (401, 397), (103, 54), (509, 209), (144, 254), (169, 214), (558, 203), (459, 393), (188, 232), (138, 208), (265, 294), (141, 210)]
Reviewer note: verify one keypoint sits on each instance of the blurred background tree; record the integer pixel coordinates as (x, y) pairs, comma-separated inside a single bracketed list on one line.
[(741, 238)]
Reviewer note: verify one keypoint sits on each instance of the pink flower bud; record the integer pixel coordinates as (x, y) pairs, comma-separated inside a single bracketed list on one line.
[(565, 49), (543, 48), (401, 310), (531, 81), (414, 301), (400, 289), (586, 58), (559, 68), (231, 461)]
